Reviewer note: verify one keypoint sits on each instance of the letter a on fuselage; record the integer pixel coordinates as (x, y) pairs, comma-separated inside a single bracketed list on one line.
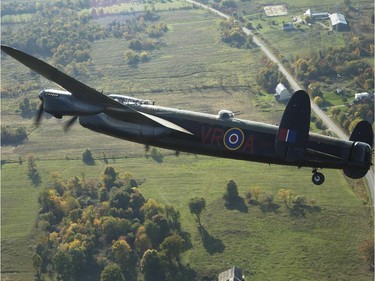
[(292, 136)]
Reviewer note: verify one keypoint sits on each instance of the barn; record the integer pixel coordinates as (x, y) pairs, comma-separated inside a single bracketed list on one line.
[(282, 93), (338, 22)]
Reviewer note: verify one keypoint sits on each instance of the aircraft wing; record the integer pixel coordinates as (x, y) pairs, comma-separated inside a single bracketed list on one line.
[(87, 94), (76, 88)]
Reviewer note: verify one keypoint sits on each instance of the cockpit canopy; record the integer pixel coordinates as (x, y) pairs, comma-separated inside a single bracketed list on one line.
[(126, 100), (225, 114)]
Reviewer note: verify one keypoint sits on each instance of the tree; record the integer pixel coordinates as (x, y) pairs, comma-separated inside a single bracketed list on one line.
[(131, 57), (173, 246), (109, 177), (37, 264), (285, 195), (150, 265), (156, 155), (299, 200), (196, 206), (32, 170), (318, 101), (268, 199), (112, 272), (142, 242), (256, 192), (28, 108), (113, 228), (62, 263), (231, 192), (87, 157), (119, 198), (121, 252)]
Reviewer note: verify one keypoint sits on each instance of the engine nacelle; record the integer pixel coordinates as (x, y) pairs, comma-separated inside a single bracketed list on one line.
[(60, 103)]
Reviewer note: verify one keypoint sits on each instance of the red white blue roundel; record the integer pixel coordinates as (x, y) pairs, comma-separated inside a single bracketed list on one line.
[(233, 139)]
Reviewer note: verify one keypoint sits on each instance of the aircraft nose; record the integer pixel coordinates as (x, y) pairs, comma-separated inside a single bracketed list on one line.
[(41, 95)]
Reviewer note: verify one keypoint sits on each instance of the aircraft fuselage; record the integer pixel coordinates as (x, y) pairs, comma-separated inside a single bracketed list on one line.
[(214, 136)]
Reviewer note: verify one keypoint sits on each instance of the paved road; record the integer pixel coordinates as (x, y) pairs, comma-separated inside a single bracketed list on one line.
[(295, 86)]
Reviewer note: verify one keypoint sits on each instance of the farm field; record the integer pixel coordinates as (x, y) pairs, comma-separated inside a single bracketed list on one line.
[(296, 245), (320, 243)]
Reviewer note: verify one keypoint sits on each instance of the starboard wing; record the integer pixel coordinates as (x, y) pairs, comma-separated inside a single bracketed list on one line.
[(86, 93)]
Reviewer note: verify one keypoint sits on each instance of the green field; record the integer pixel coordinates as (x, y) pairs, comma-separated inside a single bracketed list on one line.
[(320, 243), (273, 245)]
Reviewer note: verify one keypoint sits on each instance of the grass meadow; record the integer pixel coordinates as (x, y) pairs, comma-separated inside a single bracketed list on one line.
[(195, 71), (268, 244)]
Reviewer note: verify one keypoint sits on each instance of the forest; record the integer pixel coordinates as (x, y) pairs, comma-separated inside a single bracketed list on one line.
[(106, 227)]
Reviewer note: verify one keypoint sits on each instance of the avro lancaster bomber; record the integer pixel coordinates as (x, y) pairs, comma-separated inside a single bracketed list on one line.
[(221, 135)]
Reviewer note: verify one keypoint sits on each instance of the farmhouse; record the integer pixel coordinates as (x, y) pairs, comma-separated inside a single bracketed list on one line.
[(362, 96), (233, 274), (282, 93), (338, 22)]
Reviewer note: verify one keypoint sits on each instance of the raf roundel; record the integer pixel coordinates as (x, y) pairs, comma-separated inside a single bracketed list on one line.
[(233, 139)]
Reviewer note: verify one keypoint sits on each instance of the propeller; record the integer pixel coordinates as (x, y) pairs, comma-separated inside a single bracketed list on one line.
[(39, 115), (70, 123)]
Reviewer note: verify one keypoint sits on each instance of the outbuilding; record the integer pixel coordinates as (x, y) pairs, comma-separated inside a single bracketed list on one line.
[(282, 93), (232, 274), (316, 15), (338, 22), (288, 26)]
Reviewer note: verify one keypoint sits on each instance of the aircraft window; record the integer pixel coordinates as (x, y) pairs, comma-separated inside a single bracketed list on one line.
[(226, 114)]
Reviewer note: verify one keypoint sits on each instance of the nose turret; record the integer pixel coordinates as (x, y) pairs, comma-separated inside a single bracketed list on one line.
[(41, 95)]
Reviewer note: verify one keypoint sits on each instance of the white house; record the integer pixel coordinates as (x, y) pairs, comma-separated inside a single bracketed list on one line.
[(282, 93), (360, 96)]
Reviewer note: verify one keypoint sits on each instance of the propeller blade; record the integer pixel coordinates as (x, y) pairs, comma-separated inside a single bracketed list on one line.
[(39, 115), (70, 123)]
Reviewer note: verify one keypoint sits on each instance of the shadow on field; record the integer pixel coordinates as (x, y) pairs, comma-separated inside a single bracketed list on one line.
[(270, 208), (299, 211), (237, 204), (211, 244)]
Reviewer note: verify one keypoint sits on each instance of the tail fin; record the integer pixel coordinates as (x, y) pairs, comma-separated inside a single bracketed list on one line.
[(363, 142), (292, 136)]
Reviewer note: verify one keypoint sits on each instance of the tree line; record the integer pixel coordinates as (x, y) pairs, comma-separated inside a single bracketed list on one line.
[(269, 76), (345, 61), (106, 228), (12, 136), (232, 34)]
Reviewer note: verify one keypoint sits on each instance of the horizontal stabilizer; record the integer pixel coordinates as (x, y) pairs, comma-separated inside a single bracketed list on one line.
[(363, 132), (323, 155), (293, 133)]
